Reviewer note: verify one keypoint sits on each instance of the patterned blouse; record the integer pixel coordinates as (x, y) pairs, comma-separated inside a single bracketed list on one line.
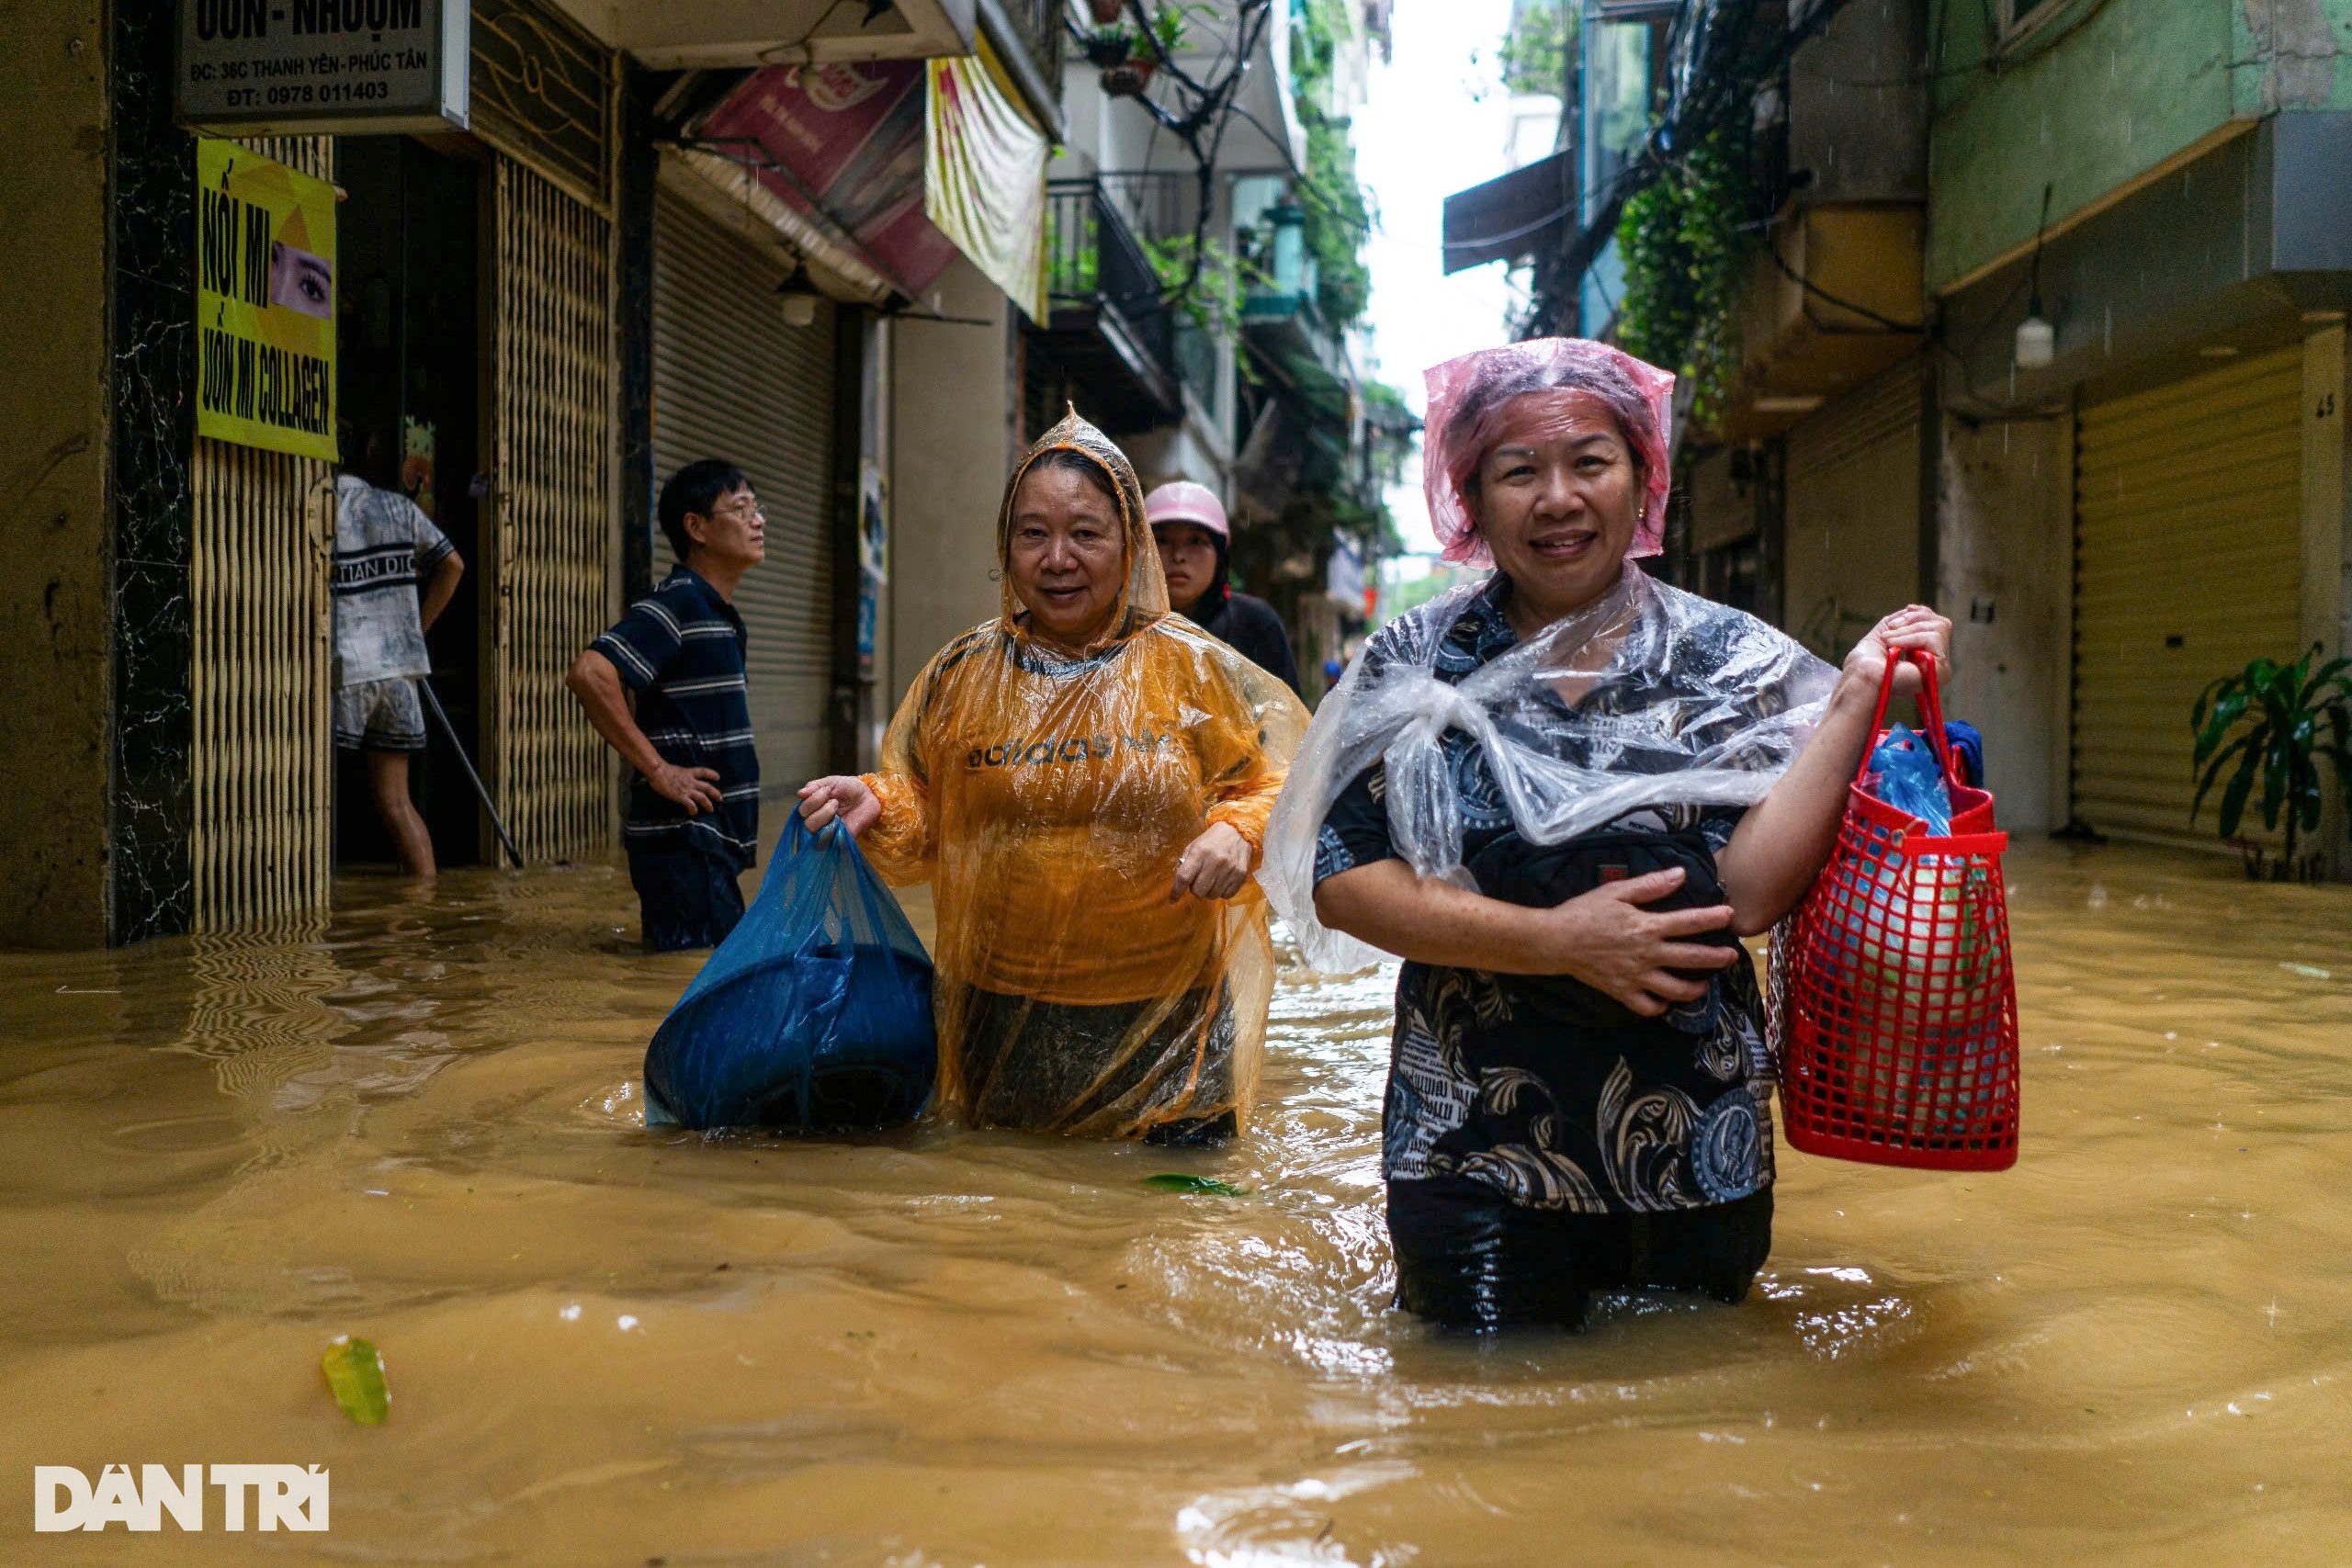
[(1597, 1113)]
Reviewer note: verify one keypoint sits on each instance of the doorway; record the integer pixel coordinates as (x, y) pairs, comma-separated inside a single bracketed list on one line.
[(408, 378)]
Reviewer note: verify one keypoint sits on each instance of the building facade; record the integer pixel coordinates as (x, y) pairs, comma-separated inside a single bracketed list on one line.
[(1188, 315), (2140, 491), (540, 316)]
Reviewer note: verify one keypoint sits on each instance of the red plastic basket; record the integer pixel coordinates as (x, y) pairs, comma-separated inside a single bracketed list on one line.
[(1894, 1006)]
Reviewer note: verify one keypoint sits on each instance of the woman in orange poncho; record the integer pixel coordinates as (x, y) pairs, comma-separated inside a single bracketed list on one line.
[(1085, 782)]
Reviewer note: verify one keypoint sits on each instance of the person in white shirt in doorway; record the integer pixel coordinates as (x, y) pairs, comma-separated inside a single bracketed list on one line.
[(394, 573)]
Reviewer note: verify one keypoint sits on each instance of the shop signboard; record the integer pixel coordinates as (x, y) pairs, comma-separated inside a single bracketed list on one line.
[(842, 144), (265, 303), (321, 67)]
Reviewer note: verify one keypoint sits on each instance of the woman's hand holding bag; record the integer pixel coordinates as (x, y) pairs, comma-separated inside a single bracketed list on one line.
[(1894, 1002)]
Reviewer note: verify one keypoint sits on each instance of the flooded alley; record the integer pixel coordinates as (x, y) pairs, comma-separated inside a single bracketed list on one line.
[(421, 1124)]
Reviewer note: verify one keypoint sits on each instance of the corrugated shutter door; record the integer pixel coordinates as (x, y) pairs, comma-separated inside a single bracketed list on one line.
[(1851, 551), (262, 547), (732, 381), (553, 775), (2188, 563)]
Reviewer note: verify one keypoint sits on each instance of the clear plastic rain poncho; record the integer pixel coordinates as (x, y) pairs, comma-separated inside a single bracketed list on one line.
[(1046, 797), (1647, 696)]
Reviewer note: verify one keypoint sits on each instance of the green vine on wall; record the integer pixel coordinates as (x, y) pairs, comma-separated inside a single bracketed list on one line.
[(1337, 215), (1214, 299), (1688, 257)]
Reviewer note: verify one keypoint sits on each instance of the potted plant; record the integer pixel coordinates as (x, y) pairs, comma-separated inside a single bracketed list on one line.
[(2276, 722), (1128, 56), (1105, 12)]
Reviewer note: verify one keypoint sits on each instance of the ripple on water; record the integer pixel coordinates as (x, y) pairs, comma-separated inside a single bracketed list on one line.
[(422, 1121)]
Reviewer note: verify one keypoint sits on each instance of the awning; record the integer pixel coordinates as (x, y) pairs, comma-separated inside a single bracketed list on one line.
[(842, 148), (882, 171), (1524, 211), (984, 177)]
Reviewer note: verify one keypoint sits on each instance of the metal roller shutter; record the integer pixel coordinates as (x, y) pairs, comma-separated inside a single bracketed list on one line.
[(1851, 551), (2188, 563), (261, 692), (732, 381), (552, 773)]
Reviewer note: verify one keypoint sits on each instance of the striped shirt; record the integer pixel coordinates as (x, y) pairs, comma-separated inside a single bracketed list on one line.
[(384, 544), (680, 649)]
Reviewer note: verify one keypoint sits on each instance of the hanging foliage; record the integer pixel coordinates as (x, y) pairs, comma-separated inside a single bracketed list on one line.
[(1687, 254), (1336, 216)]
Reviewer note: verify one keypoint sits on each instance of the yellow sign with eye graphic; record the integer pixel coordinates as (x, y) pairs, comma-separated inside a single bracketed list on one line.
[(265, 303)]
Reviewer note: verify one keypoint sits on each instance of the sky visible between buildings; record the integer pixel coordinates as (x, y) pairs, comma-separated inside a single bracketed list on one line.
[(1435, 121)]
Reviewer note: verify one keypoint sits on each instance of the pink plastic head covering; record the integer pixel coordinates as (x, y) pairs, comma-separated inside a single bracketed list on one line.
[(1182, 501), (1468, 395)]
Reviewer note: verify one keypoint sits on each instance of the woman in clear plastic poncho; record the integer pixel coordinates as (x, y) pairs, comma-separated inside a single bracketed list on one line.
[(1085, 782), (1558, 795)]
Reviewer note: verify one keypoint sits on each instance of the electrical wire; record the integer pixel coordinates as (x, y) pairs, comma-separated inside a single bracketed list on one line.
[(1508, 235), (1816, 291)]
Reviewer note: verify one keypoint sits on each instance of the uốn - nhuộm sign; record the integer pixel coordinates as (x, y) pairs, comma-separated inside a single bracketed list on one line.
[(267, 67)]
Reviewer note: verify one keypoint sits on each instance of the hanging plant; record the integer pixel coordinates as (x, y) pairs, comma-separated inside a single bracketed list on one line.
[(1687, 255), (1338, 218), (1127, 56), (1129, 77)]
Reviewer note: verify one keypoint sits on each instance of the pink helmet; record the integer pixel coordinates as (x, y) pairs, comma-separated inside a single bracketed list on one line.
[(1182, 501)]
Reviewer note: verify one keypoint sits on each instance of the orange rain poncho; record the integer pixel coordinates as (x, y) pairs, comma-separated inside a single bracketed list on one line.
[(1046, 797)]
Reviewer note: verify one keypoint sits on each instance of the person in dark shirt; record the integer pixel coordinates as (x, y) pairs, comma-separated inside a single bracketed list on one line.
[(1571, 791), (1188, 521), (665, 689)]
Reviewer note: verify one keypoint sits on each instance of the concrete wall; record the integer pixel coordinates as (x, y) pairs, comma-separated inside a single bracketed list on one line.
[(1857, 112), (2082, 111), (2005, 576), (57, 686), (2290, 54), (1102, 133), (951, 418)]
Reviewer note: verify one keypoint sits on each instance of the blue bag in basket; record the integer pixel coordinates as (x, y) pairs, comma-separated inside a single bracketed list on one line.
[(1910, 778), (813, 1015)]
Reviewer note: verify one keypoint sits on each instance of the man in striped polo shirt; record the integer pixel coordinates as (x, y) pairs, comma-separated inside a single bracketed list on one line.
[(664, 687)]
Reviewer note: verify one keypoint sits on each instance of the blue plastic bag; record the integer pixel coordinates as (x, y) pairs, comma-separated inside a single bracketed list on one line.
[(814, 1015), (1909, 778), (1872, 934)]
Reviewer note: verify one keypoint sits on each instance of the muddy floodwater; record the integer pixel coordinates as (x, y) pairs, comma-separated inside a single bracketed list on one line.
[(421, 1123)]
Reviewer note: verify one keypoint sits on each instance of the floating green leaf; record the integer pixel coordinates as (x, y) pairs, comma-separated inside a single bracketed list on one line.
[(355, 1377), (1176, 1181)]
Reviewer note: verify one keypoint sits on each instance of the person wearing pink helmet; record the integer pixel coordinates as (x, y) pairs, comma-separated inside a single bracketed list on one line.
[(1189, 523)]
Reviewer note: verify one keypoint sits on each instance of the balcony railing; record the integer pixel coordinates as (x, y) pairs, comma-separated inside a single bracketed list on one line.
[(1109, 320), (1159, 206)]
